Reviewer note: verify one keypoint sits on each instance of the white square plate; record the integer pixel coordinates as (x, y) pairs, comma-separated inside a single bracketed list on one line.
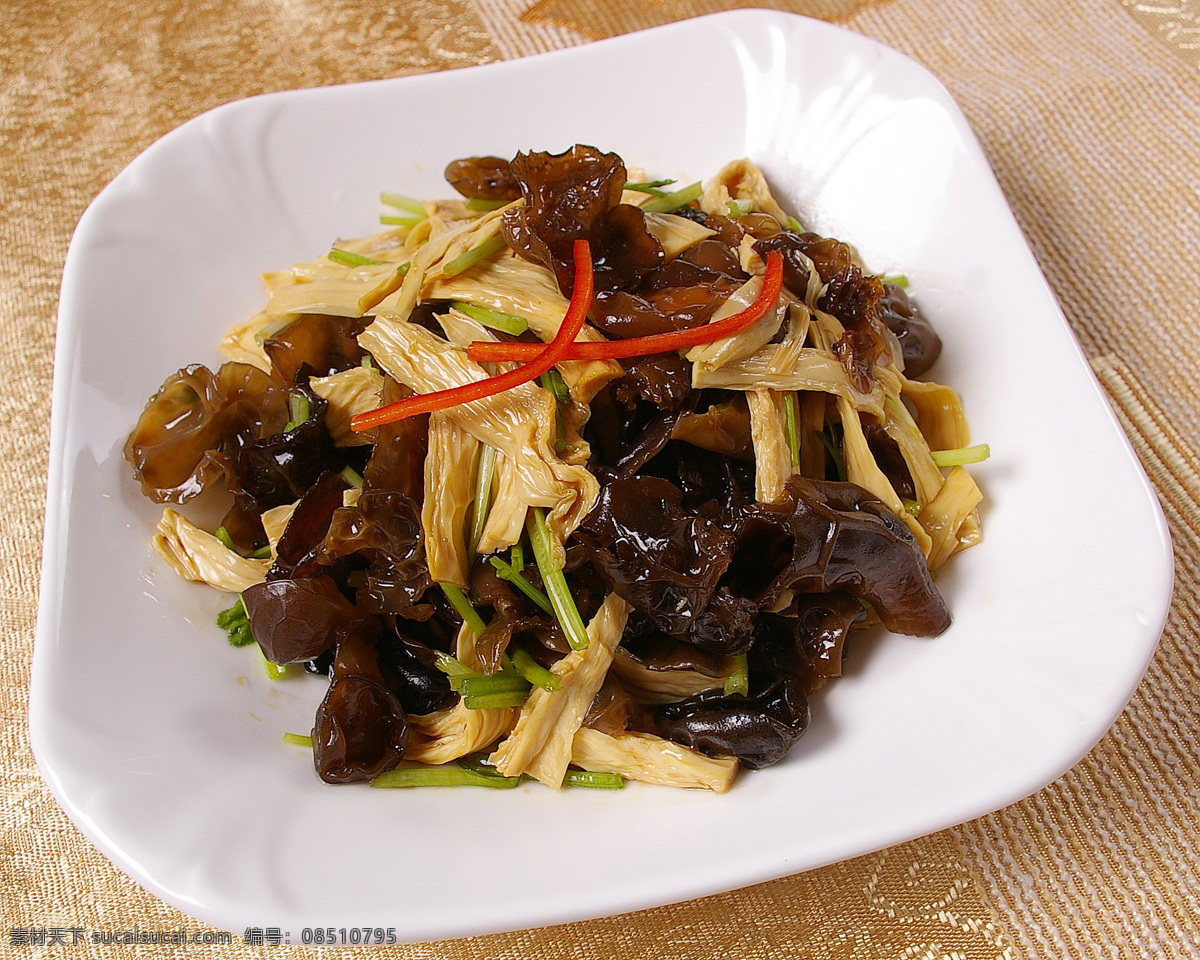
[(163, 743)]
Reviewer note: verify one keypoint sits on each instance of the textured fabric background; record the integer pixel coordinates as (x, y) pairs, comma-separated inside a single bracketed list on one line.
[(1090, 114)]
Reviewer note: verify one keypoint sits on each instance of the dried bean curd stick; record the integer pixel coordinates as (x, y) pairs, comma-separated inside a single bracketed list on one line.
[(548, 356)]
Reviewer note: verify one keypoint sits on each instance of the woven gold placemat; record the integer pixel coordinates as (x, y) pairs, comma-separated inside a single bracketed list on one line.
[(1089, 115)]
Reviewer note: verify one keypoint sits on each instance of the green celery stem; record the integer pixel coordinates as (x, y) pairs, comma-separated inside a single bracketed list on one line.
[(441, 777), (497, 683), (348, 259), (483, 494), (675, 200), (556, 583), (467, 260), (506, 572), (961, 455), (596, 780), (506, 322), (533, 671), (458, 600), (793, 434), (488, 701)]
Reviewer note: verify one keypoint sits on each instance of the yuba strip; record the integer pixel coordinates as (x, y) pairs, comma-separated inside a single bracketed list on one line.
[(547, 357)]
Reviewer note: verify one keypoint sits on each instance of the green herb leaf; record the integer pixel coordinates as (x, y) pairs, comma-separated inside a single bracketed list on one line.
[(832, 444), (480, 763), (497, 683), (456, 670), (236, 624), (274, 670), (299, 409), (400, 220)]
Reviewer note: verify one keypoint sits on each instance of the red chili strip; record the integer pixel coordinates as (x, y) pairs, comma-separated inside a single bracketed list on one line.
[(547, 356), (482, 351)]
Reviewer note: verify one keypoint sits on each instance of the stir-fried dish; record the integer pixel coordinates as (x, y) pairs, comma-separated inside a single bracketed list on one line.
[(578, 477)]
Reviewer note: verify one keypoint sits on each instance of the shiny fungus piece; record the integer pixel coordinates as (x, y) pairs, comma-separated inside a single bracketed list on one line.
[(663, 560), (613, 709), (663, 379), (778, 652), (726, 625), (649, 441), (295, 553), (919, 342), (823, 622), (278, 469), (410, 672), (326, 344), (483, 178), (398, 457), (890, 460), (713, 483), (692, 268), (758, 729), (576, 195), (567, 197), (193, 429), (626, 250), (297, 620), (361, 728), (620, 314), (382, 529), (796, 256), (243, 523), (662, 654), (825, 536), (714, 257), (722, 428)]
